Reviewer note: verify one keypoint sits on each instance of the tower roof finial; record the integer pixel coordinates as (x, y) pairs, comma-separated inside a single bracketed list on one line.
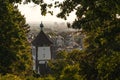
[(41, 26)]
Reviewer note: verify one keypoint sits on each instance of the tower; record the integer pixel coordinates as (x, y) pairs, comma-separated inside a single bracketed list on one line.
[(42, 44)]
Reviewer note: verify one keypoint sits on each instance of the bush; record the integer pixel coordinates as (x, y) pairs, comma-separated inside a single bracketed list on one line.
[(10, 77)]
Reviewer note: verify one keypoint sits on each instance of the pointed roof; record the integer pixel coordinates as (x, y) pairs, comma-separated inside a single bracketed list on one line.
[(41, 26), (41, 39)]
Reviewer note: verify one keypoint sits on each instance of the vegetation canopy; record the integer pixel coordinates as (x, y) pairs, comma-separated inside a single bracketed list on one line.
[(98, 19), (15, 52)]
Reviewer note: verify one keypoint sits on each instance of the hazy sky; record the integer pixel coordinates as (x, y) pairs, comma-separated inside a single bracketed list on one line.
[(33, 15)]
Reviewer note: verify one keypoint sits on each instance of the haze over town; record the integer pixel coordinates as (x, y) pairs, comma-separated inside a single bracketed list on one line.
[(33, 16)]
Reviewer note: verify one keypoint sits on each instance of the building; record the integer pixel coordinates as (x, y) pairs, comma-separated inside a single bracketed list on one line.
[(42, 52)]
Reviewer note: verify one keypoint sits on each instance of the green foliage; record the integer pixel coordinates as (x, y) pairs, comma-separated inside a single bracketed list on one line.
[(15, 52), (61, 55), (56, 67), (68, 67), (10, 77), (97, 18), (49, 77), (108, 66), (76, 56), (15, 77), (71, 72)]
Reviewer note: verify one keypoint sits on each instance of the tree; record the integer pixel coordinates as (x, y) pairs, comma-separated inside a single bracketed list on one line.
[(15, 52), (58, 65), (68, 65), (71, 72), (98, 20)]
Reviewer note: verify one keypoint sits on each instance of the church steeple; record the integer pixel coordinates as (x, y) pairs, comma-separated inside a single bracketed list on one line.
[(41, 26), (42, 39)]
